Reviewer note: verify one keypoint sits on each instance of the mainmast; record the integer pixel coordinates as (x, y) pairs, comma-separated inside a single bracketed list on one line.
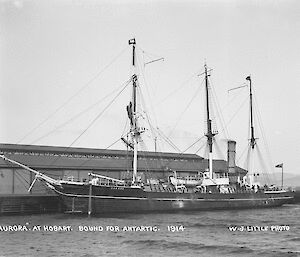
[(252, 139), (131, 109), (210, 135)]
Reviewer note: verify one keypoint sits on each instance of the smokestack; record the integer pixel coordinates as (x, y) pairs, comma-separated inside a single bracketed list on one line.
[(231, 156)]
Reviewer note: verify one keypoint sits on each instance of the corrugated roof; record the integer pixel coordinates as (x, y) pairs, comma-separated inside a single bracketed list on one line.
[(56, 162), (88, 151)]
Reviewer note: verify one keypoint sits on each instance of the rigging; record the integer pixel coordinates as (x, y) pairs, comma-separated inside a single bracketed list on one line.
[(72, 96)]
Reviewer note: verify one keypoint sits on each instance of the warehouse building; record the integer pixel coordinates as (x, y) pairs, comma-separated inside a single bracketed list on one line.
[(76, 163)]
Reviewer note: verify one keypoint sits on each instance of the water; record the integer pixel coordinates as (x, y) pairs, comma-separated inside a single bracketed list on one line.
[(199, 234)]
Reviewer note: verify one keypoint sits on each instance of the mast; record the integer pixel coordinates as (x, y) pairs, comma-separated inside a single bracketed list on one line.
[(132, 114), (252, 139), (209, 133)]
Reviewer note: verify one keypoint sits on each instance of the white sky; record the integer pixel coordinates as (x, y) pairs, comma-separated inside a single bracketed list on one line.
[(51, 49)]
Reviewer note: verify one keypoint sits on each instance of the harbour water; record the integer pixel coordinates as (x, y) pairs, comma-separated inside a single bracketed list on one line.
[(255, 232)]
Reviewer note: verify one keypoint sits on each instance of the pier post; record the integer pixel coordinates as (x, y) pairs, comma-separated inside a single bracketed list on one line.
[(90, 198)]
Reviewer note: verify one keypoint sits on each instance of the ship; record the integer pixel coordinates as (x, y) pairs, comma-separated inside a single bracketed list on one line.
[(103, 194)]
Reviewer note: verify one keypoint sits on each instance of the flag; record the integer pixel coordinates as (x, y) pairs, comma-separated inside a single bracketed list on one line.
[(279, 165), (131, 41)]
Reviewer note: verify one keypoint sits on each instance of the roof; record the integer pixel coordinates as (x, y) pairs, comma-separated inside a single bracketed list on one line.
[(89, 151), (52, 157)]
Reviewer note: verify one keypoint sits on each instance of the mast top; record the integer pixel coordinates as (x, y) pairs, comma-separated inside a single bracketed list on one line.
[(131, 41), (210, 134)]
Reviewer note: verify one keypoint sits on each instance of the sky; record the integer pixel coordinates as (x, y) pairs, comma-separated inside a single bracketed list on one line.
[(58, 58)]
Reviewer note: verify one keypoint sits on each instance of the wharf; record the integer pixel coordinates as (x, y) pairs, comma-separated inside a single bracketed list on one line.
[(29, 204), (297, 196)]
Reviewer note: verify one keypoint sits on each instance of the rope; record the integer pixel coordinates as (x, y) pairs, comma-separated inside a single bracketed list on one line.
[(86, 161), (99, 115), (236, 112), (219, 113), (218, 149), (265, 141), (266, 174), (249, 159), (75, 116), (186, 108), (21, 179), (206, 150), (146, 113), (164, 137), (112, 144), (93, 121), (242, 154), (72, 97), (193, 144), (179, 88)]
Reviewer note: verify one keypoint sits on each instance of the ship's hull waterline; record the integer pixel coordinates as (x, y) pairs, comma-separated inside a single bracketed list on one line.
[(104, 199)]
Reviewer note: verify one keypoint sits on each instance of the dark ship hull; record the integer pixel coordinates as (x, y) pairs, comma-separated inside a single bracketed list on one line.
[(105, 199)]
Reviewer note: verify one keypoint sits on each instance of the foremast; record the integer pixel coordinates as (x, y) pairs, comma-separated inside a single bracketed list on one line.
[(132, 113), (210, 134)]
